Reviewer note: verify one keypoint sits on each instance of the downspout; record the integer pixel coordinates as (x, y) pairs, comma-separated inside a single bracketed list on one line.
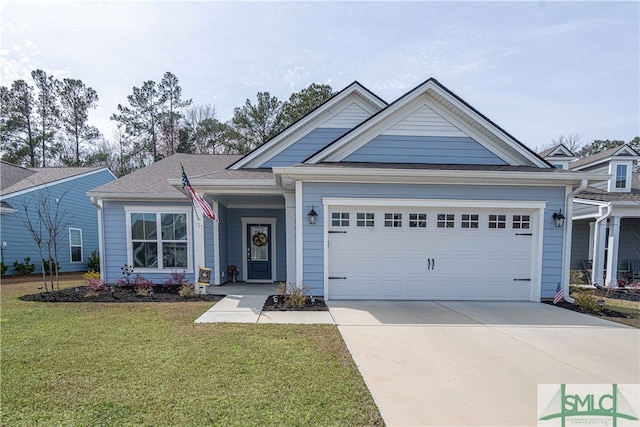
[(568, 234), (102, 253)]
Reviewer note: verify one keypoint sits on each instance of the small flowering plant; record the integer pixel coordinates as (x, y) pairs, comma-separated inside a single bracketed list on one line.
[(126, 279), (233, 270), (142, 285), (95, 282)]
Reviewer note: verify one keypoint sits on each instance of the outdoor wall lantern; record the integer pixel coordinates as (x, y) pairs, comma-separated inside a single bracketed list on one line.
[(558, 218), (312, 216)]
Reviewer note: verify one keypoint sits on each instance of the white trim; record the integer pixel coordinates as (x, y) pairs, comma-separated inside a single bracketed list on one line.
[(272, 241), (71, 261), (188, 210), (101, 250), (299, 236), (613, 170), (250, 206), (52, 183), (450, 203), (290, 225), (216, 245), (537, 216)]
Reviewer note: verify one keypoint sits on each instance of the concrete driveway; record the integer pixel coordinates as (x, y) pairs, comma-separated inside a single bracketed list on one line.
[(478, 363)]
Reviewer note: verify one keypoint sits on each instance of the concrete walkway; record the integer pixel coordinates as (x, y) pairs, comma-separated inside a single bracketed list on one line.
[(248, 309), (437, 363)]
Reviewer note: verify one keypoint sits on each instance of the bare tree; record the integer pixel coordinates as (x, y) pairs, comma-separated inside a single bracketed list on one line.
[(571, 141), (46, 220)]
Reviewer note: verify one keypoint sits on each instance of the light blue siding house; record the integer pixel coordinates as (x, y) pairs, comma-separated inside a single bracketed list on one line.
[(423, 198), (43, 193)]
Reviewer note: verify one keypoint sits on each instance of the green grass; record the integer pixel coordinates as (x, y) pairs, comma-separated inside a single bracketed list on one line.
[(89, 364), (630, 308)]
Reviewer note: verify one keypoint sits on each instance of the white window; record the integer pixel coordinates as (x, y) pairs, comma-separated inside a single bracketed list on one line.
[(469, 221), (340, 219), (621, 176), (365, 219), (417, 220), (75, 244), (558, 166), (393, 220), (159, 240), (445, 221), (497, 221)]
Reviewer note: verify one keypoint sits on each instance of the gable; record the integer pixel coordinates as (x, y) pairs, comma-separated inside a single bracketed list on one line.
[(429, 125), (345, 110)]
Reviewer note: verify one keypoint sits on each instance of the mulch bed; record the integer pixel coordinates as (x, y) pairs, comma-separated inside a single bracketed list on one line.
[(119, 294), (620, 293), (605, 312), (317, 305)]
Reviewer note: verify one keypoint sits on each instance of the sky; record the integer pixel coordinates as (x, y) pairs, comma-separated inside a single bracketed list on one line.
[(538, 69)]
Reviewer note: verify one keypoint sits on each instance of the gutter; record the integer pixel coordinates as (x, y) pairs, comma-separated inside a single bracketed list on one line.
[(98, 204), (566, 244)]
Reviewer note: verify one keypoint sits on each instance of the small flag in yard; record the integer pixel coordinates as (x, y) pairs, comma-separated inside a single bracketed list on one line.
[(206, 208), (559, 295)]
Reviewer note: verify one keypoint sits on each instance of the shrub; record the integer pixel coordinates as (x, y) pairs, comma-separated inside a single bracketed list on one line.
[(294, 296), (177, 279), (576, 277), (24, 268), (94, 262), (587, 300), (53, 263), (142, 285), (95, 282), (126, 279), (187, 290), (3, 268)]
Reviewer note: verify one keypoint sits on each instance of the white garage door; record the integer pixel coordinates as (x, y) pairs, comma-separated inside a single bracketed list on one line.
[(430, 253)]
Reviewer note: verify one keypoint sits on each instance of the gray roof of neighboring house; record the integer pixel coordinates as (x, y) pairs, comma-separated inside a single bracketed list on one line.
[(154, 179), (599, 195), (548, 151), (595, 157), (15, 178)]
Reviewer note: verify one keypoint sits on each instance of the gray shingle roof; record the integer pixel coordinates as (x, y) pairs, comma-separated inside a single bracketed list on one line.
[(595, 157), (597, 194), (153, 179), (19, 178)]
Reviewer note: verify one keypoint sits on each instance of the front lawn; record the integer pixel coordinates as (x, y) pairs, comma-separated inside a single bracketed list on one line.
[(89, 364)]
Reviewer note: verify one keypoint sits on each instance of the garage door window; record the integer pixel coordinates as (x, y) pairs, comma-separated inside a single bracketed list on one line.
[(393, 220), (417, 220), (521, 222), (497, 221), (469, 221), (446, 221), (340, 219), (365, 219)]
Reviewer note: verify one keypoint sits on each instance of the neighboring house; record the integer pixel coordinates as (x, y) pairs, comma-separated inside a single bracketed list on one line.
[(606, 217), (423, 198), (65, 189)]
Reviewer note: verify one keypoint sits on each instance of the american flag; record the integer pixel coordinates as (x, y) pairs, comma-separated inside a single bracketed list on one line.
[(559, 295), (206, 208)]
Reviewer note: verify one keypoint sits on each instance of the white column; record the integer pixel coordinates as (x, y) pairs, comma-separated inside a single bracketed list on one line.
[(299, 238), (612, 251), (198, 242), (216, 246), (600, 242), (290, 219)]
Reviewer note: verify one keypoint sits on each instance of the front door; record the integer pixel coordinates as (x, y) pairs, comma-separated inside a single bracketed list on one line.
[(258, 252)]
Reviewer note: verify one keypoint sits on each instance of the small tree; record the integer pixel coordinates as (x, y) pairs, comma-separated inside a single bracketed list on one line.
[(46, 220)]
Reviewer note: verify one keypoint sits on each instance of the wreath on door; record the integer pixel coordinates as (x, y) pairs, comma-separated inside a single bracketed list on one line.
[(259, 239)]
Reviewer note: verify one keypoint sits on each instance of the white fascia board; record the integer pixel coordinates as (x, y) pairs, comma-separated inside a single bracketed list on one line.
[(590, 202), (435, 203), (439, 176), (52, 183), (304, 126)]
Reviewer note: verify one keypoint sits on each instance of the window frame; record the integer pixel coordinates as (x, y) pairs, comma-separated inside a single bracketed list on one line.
[(158, 211), (71, 246), (617, 177)]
